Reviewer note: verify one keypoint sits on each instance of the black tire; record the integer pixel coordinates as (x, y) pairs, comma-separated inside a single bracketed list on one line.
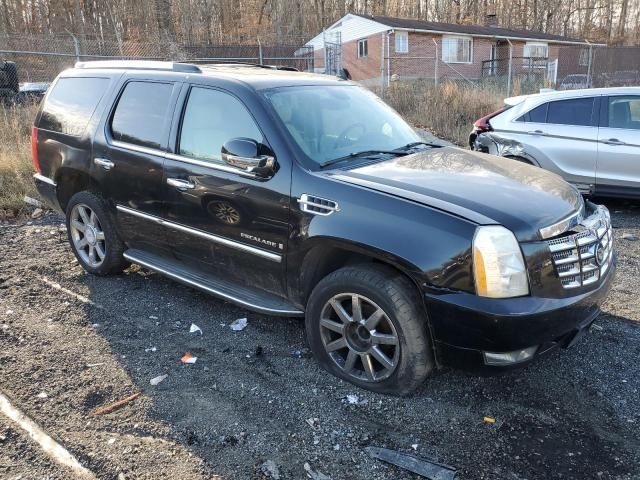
[(391, 292), (112, 246)]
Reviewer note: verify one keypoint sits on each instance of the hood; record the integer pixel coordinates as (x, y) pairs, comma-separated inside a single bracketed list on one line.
[(482, 188)]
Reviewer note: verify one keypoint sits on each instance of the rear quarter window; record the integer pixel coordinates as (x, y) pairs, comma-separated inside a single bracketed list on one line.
[(141, 114), (71, 104)]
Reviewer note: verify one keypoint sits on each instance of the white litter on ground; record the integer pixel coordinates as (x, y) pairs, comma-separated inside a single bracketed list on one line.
[(195, 328), (239, 324), (156, 380)]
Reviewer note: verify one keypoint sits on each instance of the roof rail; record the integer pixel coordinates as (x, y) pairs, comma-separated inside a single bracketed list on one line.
[(232, 63), (141, 65)]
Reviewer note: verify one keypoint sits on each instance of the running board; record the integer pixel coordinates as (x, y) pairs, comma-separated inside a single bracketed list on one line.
[(252, 299)]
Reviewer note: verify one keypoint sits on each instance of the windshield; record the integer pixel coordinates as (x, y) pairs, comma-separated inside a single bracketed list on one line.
[(330, 122)]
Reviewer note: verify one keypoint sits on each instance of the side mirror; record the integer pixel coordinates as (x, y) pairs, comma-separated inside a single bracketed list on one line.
[(248, 155)]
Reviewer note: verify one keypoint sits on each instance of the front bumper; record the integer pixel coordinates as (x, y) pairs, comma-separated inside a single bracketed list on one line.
[(466, 325), (48, 191)]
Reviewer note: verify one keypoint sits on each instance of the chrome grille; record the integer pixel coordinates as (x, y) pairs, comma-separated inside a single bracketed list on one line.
[(584, 257)]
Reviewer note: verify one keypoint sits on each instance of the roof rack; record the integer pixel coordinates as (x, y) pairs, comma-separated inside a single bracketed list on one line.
[(141, 65), (231, 63)]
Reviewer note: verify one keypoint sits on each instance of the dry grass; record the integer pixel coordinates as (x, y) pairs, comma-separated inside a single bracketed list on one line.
[(16, 167), (448, 110)]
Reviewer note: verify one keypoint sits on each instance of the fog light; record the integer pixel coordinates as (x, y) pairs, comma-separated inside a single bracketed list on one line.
[(509, 358)]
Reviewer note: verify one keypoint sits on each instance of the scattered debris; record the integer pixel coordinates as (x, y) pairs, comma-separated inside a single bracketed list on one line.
[(156, 380), (630, 236), (116, 405), (153, 317), (314, 474), (91, 365), (238, 325), (37, 213), (111, 441), (42, 395), (270, 469), (195, 328), (489, 420), (414, 446), (352, 399), (32, 201), (188, 358), (313, 422), (422, 467), (596, 328), (150, 349), (302, 353)]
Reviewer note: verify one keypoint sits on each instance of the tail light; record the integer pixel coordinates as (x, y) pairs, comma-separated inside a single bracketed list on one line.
[(483, 125), (34, 149)]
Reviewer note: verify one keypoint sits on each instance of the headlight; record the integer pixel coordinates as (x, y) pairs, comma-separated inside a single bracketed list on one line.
[(498, 265)]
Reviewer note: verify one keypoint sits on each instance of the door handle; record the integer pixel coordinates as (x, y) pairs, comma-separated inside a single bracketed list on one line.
[(104, 163), (180, 184), (535, 132), (614, 141)]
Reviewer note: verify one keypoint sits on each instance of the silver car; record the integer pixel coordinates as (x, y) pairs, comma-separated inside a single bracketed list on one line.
[(590, 137)]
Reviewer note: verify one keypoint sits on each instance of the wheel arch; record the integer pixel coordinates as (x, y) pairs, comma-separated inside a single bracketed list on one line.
[(71, 181)]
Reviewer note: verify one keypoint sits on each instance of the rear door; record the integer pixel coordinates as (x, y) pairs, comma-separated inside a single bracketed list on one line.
[(618, 170), (229, 222), (562, 136), (128, 157)]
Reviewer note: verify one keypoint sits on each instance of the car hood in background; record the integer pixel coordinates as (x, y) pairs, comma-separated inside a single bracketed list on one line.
[(482, 188)]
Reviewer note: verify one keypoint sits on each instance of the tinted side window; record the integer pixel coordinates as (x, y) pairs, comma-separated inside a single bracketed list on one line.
[(576, 111), (624, 112), (537, 115), (210, 119), (141, 114), (71, 104)]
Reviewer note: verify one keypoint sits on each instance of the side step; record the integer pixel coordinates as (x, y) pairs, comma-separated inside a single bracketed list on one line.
[(258, 301)]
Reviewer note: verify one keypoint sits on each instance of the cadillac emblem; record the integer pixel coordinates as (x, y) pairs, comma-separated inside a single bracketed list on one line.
[(599, 253)]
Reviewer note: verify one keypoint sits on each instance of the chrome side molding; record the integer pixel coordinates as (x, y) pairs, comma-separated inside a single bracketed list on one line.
[(274, 257)]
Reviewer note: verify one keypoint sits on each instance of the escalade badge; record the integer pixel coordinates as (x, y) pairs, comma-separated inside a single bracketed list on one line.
[(268, 243)]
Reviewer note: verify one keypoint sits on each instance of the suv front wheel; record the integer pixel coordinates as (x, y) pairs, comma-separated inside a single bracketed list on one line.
[(365, 324), (93, 236)]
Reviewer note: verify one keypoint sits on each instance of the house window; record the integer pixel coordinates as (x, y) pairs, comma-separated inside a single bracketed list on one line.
[(363, 48), (457, 49), (402, 42), (535, 55)]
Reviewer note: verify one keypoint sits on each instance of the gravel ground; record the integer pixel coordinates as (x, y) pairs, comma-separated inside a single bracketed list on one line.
[(86, 342)]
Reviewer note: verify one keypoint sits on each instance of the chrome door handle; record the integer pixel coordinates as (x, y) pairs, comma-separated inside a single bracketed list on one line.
[(180, 184), (614, 141), (104, 163), (535, 132)]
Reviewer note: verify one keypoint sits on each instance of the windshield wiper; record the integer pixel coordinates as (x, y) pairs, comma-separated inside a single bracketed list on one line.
[(364, 153), (411, 145)]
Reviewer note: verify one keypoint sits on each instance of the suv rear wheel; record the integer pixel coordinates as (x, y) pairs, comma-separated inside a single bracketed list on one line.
[(366, 325), (92, 235)]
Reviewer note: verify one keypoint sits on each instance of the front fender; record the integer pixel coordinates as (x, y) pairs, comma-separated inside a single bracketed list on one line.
[(431, 246)]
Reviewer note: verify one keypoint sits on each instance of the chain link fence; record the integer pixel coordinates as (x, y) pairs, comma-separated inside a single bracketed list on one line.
[(509, 68), (40, 58)]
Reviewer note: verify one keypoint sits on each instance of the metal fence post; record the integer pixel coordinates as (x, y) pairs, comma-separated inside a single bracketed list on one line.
[(76, 45), (435, 68), (509, 68), (260, 59), (381, 64), (589, 82)]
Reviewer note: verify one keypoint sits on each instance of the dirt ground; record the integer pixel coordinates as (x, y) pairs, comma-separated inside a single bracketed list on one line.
[(71, 343)]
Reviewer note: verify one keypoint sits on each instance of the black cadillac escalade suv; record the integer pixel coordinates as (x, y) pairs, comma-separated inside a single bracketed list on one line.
[(295, 194)]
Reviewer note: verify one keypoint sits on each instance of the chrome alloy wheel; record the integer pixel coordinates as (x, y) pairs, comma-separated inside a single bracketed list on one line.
[(359, 337), (87, 235)]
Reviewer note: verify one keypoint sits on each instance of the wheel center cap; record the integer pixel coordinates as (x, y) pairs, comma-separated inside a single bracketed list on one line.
[(91, 236), (358, 337)]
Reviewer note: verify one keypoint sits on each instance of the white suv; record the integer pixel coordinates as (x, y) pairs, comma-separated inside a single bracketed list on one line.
[(590, 137)]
